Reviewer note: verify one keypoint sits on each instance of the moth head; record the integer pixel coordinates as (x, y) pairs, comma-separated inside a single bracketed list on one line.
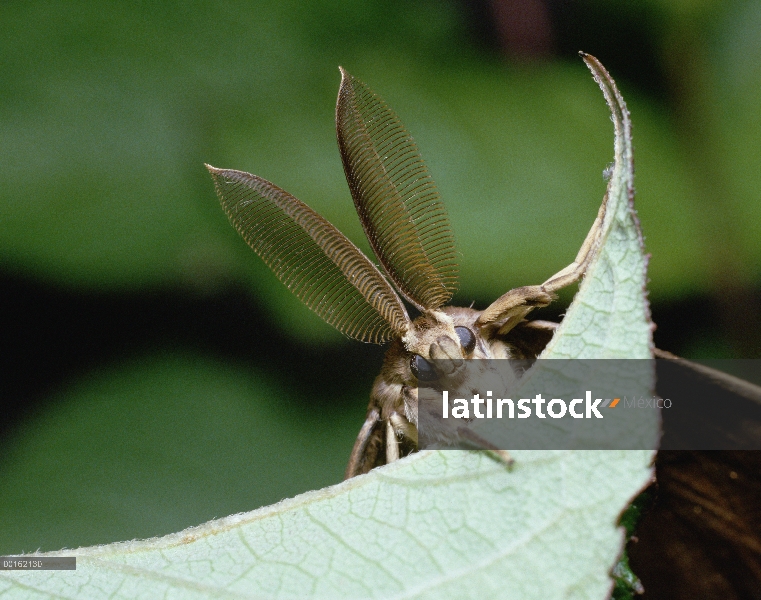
[(436, 354), (439, 341)]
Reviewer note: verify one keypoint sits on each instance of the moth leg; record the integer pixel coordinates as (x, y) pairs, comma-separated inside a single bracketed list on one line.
[(573, 272), (392, 444), (476, 440), (540, 326), (398, 427), (512, 307), (403, 427), (360, 445), (529, 338)]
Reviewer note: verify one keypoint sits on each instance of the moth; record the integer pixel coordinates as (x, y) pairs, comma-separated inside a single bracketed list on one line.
[(408, 229)]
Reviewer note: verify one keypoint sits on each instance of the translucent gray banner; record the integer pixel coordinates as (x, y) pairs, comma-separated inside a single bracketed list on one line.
[(591, 405)]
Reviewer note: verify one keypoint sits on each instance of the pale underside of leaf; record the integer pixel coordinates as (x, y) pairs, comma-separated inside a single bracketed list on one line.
[(395, 197), (438, 524), (312, 258), (448, 524), (610, 315)]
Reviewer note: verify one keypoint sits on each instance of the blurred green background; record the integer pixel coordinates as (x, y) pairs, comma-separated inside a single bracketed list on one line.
[(156, 375)]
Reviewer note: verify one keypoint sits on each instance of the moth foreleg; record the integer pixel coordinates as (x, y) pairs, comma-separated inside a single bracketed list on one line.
[(573, 272), (512, 307), (360, 445), (392, 444), (403, 427), (468, 435), (398, 428)]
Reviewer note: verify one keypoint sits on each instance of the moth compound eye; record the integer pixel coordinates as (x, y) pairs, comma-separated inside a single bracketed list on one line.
[(467, 339), (422, 369)]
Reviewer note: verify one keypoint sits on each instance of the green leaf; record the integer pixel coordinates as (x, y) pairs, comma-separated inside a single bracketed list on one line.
[(610, 316), (438, 524)]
